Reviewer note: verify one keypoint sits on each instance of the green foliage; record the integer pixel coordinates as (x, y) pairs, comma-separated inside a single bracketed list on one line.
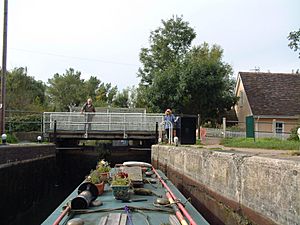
[(122, 99), (91, 86), (24, 92), (187, 80), (294, 135), (120, 181), (103, 166), (294, 38), (206, 84), (105, 95), (265, 143), (168, 44), (11, 138), (67, 90), (24, 123), (94, 177)]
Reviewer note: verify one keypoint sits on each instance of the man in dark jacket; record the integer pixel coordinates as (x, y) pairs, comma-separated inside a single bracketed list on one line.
[(89, 108)]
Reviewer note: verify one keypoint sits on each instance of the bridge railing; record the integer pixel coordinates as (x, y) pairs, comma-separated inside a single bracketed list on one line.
[(74, 121)]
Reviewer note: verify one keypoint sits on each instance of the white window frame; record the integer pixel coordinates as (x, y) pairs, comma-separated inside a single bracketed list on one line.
[(277, 129)]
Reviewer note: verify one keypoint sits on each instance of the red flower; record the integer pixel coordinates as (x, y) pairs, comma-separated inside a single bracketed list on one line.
[(122, 175)]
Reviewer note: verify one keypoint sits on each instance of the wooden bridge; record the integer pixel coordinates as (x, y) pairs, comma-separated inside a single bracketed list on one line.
[(101, 126)]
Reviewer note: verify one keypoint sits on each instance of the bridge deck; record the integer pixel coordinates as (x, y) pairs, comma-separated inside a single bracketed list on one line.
[(101, 125)]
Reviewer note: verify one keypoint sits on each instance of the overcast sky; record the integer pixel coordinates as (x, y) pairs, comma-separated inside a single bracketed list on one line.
[(104, 38)]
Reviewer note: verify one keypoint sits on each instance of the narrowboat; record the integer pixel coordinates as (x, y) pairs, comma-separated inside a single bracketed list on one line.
[(150, 198)]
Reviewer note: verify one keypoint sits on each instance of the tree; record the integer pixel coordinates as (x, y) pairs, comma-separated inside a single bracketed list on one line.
[(23, 92), (105, 95), (122, 99), (168, 44), (206, 85), (91, 86), (294, 38), (67, 90), (187, 80)]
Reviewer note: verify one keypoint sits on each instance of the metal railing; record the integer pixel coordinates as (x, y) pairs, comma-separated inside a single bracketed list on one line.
[(261, 129), (74, 121), (162, 127)]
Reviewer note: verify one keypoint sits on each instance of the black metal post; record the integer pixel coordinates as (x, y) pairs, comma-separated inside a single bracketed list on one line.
[(156, 132), (54, 131)]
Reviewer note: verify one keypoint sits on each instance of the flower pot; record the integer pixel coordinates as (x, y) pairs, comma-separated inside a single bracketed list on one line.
[(121, 192), (100, 188)]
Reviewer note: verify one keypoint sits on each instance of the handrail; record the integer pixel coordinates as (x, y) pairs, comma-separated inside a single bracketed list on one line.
[(72, 121), (179, 204)]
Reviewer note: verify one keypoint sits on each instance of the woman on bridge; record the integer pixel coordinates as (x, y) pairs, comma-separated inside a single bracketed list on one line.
[(169, 118)]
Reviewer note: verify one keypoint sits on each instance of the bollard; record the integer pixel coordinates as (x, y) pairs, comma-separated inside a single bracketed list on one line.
[(39, 139), (3, 138)]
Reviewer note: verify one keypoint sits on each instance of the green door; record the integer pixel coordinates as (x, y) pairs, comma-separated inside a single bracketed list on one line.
[(250, 127)]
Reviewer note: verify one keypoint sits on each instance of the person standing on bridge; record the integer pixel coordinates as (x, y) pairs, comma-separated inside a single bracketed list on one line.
[(169, 118), (89, 108)]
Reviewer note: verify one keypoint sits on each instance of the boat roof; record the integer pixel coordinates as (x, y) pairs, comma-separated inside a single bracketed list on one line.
[(140, 212)]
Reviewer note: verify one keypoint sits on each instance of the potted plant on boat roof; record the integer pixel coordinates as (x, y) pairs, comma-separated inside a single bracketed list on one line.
[(120, 185), (95, 178), (103, 169)]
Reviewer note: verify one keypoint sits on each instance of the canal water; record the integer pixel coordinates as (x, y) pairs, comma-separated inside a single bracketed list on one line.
[(31, 191)]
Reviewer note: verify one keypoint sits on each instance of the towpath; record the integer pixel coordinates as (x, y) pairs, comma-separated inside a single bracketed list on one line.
[(214, 143)]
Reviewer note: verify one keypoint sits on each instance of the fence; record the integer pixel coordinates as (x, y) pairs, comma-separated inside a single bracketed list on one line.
[(261, 129), (73, 121)]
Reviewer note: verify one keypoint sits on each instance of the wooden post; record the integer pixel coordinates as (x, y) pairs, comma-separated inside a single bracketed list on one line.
[(156, 132), (3, 74)]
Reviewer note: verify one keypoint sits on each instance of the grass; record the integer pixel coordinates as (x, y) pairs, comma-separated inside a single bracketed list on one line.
[(198, 142), (265, 143)]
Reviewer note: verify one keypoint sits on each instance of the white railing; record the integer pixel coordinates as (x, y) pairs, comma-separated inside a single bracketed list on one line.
[(74, 121), (215, 132), (162, 127)]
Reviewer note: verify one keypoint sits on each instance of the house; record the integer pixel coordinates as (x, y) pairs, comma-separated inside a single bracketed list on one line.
[(273, 99)]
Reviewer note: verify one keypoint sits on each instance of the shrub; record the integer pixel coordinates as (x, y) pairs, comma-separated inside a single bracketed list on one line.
[(293, 136), (24, 123), (11, 138)]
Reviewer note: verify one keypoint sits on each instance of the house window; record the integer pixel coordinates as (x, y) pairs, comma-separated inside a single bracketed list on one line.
[(279, 127)]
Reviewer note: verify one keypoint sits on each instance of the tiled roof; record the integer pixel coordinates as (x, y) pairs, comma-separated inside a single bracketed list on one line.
[(272, 93)]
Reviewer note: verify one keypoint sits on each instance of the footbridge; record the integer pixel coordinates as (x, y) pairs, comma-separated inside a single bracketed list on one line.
[(101, 126)]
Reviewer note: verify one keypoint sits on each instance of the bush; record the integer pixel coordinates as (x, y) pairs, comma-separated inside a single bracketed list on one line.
[(11, 139), (294, 136), (24, 123)]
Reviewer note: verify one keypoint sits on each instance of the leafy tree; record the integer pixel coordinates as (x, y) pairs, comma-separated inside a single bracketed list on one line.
[(23, 92), (294, 38), (91, 86), (67, 90), (122, 99), (105, 94), (139, 98), (187, 80), (206, 85), (168, 44), (164, 92)]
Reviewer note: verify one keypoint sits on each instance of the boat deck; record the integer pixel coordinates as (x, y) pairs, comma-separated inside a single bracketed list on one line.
[(142, 212)]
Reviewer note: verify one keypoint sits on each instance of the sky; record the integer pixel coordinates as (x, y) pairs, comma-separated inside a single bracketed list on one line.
[(104, 38)]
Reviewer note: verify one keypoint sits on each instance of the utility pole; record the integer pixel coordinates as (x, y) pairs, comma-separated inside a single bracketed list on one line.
[(3, 74)]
